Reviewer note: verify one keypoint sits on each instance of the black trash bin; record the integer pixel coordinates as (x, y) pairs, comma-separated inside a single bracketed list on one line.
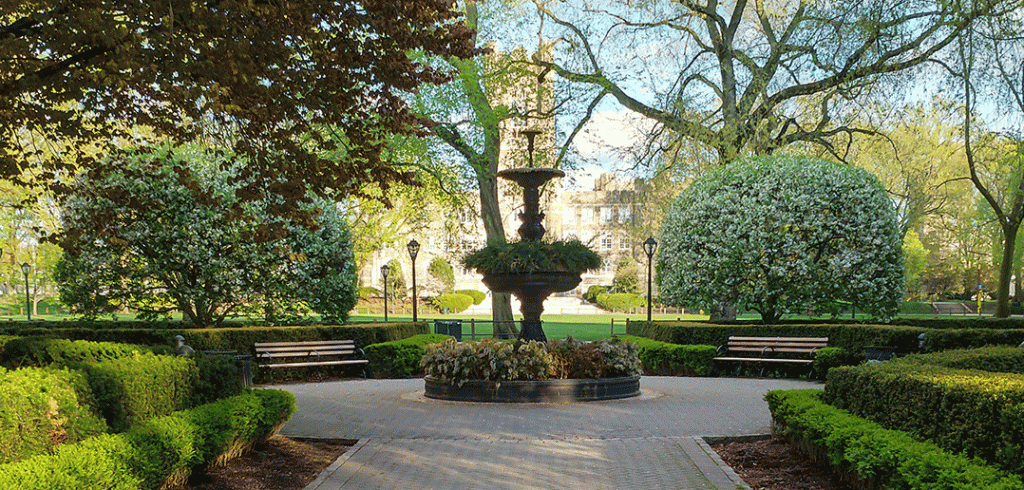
[(449, 327)]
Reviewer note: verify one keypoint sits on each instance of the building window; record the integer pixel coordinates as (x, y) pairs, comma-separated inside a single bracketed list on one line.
[(606, 242), (607, 267), (569, 216), (606, 215), (625, 214), (587, 215), (624, 242)]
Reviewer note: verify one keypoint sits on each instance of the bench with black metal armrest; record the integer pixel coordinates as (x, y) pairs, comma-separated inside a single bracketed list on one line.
[(278, 355), (771, 351)]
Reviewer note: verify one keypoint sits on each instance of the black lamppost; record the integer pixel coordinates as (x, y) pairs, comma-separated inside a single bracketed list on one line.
[(25, 268), (650, 245), (384, 272), (414, 248)]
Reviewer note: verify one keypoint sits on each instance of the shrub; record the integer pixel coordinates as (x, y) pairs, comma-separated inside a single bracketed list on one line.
[(43, 408), (533, 256), (478, 297), (400, 358), (593, 292), (132, 390), (879, 457), (492, 360), (995, 359), (41, 351), (779, 235), (959, 410), (662, 358), (441, 270), (453, 302), (367, 292), (161, 452), (620, 301), (828, 358)]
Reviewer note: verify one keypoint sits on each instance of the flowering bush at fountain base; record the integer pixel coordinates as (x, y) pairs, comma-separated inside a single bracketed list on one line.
[(456, 363)]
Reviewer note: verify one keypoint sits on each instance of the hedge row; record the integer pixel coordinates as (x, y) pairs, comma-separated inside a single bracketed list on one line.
[(994, 359), (43, 408), (400, 358), (852, 338), (478, 296), (42, 351), (239, 339), (159, 453), (877, 457), (970, 411), (662, 358)]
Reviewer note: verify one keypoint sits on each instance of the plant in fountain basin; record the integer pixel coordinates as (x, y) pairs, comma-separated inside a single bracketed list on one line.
[(527, 256), (491, 360)]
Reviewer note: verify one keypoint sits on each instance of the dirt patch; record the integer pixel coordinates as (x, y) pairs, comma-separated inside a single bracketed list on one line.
[(280, 463), (772, 464)]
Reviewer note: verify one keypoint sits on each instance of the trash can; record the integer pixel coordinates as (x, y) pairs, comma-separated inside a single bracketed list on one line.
[(449, 327)]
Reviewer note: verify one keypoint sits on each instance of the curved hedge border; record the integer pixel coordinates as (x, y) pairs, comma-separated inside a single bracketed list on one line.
[(400, 358), (970, 411), (878, 457), (160, 452), (663, 358)]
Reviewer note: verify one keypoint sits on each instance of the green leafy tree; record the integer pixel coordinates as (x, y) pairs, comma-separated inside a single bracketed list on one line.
[(916, 259), (140, 239), (779, 235), (627, 276), (396, 280), (442, 271), (268, 74)]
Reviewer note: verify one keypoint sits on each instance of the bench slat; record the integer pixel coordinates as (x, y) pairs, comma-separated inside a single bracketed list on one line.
[(302, 351), (771, 350), (780, 339), (305, 343), (764, 359), (317, 363)]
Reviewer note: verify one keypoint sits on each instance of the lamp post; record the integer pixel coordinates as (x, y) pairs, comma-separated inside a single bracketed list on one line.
[(25, 268), (384, 272), (414, 249), (650, 245)]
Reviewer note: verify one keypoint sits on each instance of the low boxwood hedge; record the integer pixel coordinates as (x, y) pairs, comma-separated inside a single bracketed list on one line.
[(400, 358), (452, 302), (662, 358), (478, 297), (959, 410), (876, 456), (44, 351), (159, 453), (620, 301), (43, 408), (995, 359)]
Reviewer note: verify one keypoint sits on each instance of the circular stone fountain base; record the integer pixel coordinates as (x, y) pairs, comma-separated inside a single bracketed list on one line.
[(545, 391)]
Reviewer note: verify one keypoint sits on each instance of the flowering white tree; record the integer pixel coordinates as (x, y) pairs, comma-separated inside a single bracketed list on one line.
[(140, 238), (782, 234)]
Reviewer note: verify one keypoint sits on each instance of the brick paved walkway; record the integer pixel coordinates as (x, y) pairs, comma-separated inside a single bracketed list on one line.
[(653, 441)]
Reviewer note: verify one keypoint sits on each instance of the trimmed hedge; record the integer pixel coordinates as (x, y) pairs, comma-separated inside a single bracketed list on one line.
[(478, 297), (959, 410), (453, 302), (43, 408), (132, 390), (159, 453), (851, 337), (880, 458), (239, 339), (995, 359), (400, 358), (620, 301), (41, 351), (662, 358)]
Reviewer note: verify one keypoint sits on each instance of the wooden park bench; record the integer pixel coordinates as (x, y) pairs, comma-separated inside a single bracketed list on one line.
[(771, 351), (277, 355)]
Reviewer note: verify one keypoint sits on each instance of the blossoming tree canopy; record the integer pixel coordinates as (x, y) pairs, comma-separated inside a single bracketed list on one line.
[(780, 235)]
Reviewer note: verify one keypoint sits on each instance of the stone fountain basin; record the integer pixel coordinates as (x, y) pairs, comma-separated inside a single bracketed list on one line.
[(542, 391), (545, 282)]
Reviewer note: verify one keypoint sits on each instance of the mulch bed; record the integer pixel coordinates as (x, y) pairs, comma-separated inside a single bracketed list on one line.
[(773, 464)]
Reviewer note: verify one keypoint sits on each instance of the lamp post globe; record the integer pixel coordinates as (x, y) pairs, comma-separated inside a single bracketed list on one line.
[(650, 245), (414, 250)]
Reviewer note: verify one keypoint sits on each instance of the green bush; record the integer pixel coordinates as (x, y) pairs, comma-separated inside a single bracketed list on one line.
[(620, 301), (218, 377), (41, 351), (880, 458), (593, 292), (367, 292), (662, 358), (43, 408), (828, 358), (478, 297), (400, 358), (159, 453), (132, 390), (959, 410), (453, 302), (995, 359)]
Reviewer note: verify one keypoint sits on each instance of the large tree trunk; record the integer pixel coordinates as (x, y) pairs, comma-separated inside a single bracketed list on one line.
[(1006, 269), (501, 303)]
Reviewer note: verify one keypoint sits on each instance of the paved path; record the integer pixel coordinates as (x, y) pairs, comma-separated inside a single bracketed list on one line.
[(409, 441)]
